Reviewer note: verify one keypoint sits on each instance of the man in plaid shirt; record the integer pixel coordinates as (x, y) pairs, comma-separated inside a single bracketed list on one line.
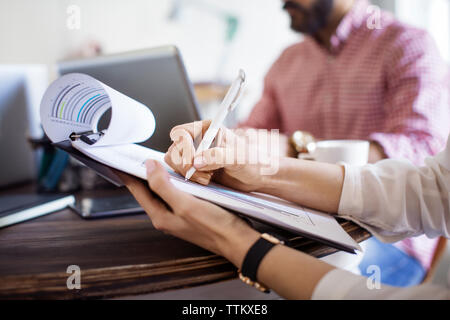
[(361, 74)]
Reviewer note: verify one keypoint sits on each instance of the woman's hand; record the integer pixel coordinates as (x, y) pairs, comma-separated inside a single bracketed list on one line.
[(223, 233), (189, 218), (235, 160)]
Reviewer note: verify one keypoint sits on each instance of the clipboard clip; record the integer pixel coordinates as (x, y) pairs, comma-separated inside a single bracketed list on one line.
[(88, 137)]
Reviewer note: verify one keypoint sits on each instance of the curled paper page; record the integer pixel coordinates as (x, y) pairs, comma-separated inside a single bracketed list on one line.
[(76, 102)]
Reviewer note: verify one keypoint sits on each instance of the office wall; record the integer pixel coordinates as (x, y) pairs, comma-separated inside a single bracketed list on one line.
[(37, 31), (431, 15), (389, 5)]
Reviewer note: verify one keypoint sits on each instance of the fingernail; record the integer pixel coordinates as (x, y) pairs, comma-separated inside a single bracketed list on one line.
[(199, 163), (150, 164)]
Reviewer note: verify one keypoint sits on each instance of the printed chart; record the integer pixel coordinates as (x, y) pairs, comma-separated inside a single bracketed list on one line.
[(75, 103), (79, 102)]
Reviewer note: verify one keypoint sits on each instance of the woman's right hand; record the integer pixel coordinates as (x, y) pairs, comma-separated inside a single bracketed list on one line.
[(233, 160)]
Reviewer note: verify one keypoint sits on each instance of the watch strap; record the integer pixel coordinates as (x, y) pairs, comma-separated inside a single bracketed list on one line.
[(254, 257)]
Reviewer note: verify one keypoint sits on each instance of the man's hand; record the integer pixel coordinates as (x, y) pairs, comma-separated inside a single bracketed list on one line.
[(189, 218)]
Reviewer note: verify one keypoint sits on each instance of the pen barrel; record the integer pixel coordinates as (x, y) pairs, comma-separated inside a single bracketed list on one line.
[(207, 140), (212, 131), (230, 100)]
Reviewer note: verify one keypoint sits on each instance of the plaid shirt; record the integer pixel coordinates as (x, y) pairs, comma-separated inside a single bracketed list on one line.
[(387, 85)]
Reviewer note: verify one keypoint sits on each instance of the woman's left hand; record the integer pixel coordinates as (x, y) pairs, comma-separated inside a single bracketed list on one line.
[(189, 218)]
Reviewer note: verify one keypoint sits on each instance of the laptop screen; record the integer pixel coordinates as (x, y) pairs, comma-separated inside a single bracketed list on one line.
[(155, 77)]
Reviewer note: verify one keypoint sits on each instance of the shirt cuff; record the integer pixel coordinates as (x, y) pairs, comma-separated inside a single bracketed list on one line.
[(343, 285), (351, 202), (337, 285), (351, 206)]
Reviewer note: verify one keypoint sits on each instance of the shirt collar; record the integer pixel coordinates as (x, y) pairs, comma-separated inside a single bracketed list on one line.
[(352, 21)]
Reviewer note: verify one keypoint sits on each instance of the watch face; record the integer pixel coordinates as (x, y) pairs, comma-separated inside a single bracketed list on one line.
[(303, 141)]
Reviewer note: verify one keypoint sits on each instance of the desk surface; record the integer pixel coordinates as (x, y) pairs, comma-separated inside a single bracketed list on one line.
[(119, 256)]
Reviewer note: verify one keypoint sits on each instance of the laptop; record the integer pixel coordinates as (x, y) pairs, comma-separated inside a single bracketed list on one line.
[(155, 77), (21, 90)]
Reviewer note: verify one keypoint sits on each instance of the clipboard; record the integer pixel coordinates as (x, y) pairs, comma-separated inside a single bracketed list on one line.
[(102, 170), (110, 175), (70, 111)]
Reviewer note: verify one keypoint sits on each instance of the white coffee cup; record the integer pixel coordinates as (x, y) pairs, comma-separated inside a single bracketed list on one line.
[(352, 152)]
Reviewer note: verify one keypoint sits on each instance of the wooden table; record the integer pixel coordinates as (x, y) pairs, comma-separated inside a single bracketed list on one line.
[(120, 256)]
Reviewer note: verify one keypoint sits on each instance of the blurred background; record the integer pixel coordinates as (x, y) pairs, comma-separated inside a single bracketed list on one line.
[(216, 38)]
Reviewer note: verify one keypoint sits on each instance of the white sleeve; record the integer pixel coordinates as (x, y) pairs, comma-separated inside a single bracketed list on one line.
[(340, 285), (394, 200)]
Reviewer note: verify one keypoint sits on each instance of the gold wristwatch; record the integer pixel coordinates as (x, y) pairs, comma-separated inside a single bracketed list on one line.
[(254, 257), (303, 142)]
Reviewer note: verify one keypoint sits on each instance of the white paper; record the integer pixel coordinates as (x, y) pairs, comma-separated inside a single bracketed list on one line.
[(131, 159), (75, 102)]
